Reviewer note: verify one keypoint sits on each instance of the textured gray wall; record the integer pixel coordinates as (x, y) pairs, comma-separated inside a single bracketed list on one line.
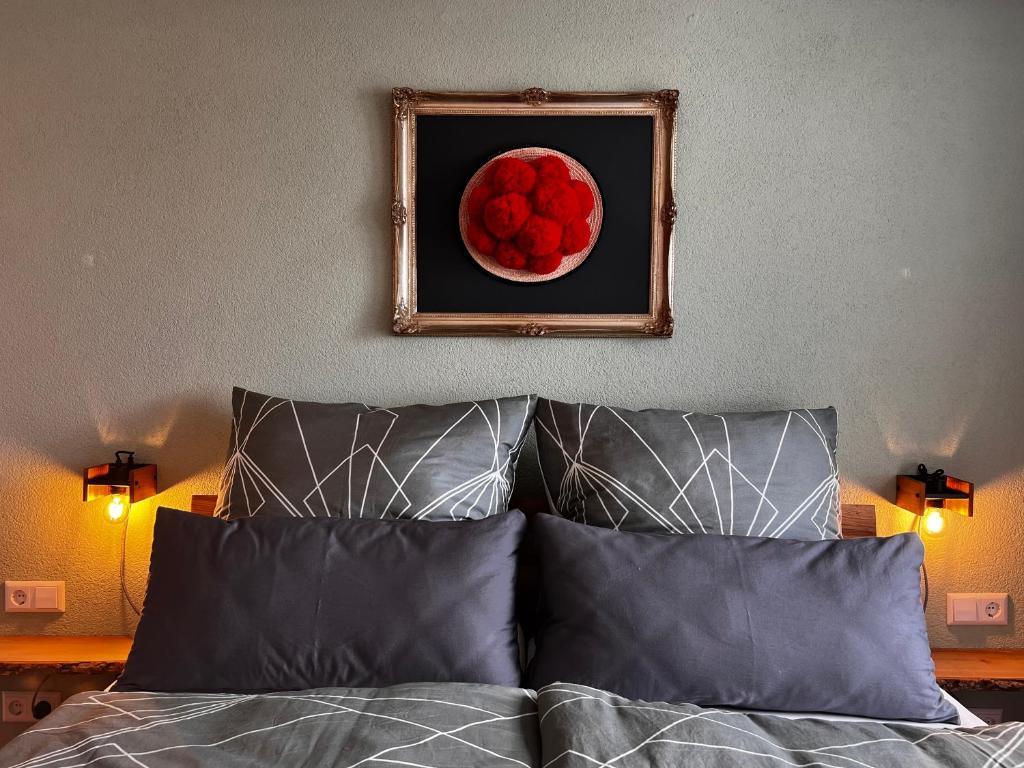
[(195, 194)]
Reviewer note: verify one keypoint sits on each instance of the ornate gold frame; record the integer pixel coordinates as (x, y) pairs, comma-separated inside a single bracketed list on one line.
[(408, 103)]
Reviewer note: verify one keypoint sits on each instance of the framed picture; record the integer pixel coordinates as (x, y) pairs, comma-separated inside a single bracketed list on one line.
[(534, 213)]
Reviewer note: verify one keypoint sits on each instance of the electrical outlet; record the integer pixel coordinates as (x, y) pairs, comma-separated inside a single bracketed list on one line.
[(973, 608), (34, 596), (17, 705)]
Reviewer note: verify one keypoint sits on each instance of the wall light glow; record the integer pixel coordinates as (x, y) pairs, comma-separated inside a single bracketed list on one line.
[(934, 521), (117, 508)]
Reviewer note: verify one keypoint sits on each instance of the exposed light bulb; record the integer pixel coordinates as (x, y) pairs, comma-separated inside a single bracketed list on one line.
[(934, 522), (116, 508)]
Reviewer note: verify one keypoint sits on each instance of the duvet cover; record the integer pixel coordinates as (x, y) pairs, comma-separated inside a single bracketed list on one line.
[(452, 725)]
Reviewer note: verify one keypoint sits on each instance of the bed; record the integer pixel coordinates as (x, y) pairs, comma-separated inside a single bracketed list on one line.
[(235, 676), (459, 724)]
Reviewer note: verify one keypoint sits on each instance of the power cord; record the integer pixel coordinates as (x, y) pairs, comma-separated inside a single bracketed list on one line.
[(42, 708), (924, 578), (915, 527), (124, 557)]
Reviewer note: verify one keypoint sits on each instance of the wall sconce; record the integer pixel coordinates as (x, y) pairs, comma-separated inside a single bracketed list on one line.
[(124, 481), (931, 495)]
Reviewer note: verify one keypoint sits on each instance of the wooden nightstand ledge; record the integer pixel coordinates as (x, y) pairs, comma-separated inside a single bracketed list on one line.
[(979, 668), (71, 654)]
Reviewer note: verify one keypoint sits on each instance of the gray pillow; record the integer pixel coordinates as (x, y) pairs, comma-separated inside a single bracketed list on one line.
[(752, 474), (737, 621), (274, 604), (418, 462)]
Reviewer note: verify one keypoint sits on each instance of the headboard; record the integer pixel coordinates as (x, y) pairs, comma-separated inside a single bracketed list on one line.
[(857, 520)]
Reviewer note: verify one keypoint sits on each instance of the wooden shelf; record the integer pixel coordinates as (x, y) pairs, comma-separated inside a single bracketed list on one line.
[(989, 668), (67, 654)]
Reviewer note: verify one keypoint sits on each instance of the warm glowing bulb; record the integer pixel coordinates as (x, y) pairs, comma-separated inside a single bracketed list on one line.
[(116, 509), (934, 522)]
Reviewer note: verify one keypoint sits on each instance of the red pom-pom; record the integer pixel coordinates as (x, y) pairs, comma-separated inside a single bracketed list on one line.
[(551, 167), (555, 200), (584, 196), (509, 256), (505, 214), (477, 200), (510, 174), (545, 265), (575, 236), (539, 236), (480, 238)]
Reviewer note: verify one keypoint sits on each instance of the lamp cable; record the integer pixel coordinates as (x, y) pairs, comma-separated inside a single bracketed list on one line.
[(915, 527), (124, 557)]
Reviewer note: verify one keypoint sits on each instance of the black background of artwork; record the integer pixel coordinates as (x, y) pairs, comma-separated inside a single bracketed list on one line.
[(614, 279)]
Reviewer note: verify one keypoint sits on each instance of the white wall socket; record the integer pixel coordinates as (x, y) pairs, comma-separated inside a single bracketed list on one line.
[(34, 596), (17, 705), (973, 608)]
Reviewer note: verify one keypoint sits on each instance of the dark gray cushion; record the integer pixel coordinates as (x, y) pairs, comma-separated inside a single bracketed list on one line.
[(273, 604), (419, 462), (751, 474), (737, 621)]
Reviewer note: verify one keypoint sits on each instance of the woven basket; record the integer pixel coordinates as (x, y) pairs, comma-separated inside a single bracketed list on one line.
[(576, 172)]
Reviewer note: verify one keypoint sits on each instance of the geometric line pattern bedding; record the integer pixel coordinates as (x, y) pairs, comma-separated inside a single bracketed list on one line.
[(769, 473), (451, 725), (420, 462), (582, 727), (419, 724)]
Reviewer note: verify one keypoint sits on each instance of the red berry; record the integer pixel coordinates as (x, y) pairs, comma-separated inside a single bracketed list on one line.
[(510, 174), (584, 196), (504, 215), (509, 256), (539, 236), (477, 200), (545, 265), (555, 200), (551, 167), (480, 238), (575, 236)]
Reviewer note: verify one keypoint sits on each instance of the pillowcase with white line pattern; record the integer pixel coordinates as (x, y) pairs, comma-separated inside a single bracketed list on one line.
[(416, 462), (770, 473)]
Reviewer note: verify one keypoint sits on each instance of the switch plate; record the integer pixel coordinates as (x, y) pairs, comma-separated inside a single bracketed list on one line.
[(976, 608), (34, 596), (17, 705)]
